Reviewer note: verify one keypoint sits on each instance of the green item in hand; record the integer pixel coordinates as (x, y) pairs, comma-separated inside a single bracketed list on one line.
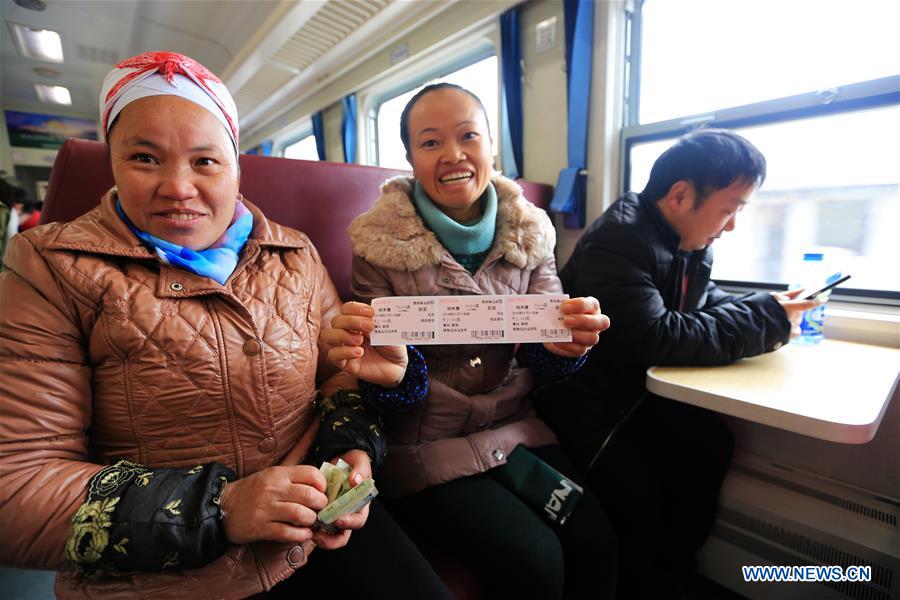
[(350, 501), (336, 478)]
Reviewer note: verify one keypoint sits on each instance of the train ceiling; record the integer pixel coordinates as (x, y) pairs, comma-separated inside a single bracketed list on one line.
[(268, 52)]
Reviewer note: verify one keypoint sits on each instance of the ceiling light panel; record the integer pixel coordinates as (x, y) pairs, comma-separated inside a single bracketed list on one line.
[(53, 94), (39, 44)]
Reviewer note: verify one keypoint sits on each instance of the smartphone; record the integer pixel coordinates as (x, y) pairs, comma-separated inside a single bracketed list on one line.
[(830, 282)]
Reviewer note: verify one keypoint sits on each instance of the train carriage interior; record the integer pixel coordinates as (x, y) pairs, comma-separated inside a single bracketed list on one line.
[(581, 97)]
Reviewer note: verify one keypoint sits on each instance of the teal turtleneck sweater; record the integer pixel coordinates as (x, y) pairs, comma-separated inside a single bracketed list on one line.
[(468, 243)]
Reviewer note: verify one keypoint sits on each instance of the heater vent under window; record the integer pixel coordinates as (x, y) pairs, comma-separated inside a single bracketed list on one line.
[(861, 509)]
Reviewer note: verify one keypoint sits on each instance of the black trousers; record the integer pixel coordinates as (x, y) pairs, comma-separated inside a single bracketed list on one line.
[(658, 480), (515, 551), (379, 561)]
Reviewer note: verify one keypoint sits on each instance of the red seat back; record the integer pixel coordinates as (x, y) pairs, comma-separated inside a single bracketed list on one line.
[(318, 198)]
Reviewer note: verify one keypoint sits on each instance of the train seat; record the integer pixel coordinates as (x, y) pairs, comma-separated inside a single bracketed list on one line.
[(318, 198)]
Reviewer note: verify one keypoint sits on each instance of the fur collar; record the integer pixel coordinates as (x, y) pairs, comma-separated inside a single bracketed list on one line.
[(392, 235)]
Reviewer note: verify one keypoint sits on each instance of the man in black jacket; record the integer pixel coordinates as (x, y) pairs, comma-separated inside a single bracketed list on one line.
[(647, 260)]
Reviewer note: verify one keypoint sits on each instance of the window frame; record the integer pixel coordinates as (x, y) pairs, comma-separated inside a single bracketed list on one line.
[(419, 74), (874, 93), (292, 135)]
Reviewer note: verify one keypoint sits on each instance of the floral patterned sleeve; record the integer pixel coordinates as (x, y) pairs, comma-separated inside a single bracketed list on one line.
[(140, 519), (349, 422)]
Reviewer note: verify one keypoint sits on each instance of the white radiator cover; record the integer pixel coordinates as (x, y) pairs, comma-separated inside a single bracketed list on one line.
[(773, 514)]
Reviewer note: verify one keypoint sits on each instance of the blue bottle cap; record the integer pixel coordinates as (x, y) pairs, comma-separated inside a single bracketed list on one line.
[(813, 256)]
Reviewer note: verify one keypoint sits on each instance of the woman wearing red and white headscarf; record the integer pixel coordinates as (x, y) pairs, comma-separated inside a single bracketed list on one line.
[(158, 424)]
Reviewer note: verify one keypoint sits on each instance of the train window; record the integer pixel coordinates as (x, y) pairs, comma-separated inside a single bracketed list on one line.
[(479, 77), (825, 115), (746, 51), (303, 148)]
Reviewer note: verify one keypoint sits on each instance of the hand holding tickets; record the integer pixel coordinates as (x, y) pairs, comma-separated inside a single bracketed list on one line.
[(342, 499), (469, 320), (350, 350), (566, 326), (369, 342), (583, 317)]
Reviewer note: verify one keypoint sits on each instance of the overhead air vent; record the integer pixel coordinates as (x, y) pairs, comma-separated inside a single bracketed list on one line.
[(47, 72), (332, 23), (97, 55)]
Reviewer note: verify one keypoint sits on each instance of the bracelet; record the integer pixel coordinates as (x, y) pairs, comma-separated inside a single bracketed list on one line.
[(217, 499)]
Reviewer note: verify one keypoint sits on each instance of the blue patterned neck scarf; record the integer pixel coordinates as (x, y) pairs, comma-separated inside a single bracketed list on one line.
[(216, 262)]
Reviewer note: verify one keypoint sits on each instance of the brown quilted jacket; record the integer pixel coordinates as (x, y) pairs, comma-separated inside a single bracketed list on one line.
[(476, 411), (107, 354)]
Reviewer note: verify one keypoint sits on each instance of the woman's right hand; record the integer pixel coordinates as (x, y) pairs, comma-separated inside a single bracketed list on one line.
[(277, 504), (350, 350)]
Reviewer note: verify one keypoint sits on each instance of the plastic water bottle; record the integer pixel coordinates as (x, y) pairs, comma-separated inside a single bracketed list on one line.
[(812, 325)]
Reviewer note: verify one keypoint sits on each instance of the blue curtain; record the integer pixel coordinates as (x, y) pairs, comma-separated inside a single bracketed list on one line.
[(570, 197), (264, 149), (318, 124), (511, 94), (349, 128)]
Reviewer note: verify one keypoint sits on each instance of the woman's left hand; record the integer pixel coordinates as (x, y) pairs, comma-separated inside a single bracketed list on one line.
[(360, 470), (583, 317)]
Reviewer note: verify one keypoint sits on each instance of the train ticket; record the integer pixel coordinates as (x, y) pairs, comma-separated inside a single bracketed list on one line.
[(469, 320)]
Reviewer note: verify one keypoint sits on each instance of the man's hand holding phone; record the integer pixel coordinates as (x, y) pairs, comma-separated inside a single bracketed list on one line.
[(794, 304), (798, 301)]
